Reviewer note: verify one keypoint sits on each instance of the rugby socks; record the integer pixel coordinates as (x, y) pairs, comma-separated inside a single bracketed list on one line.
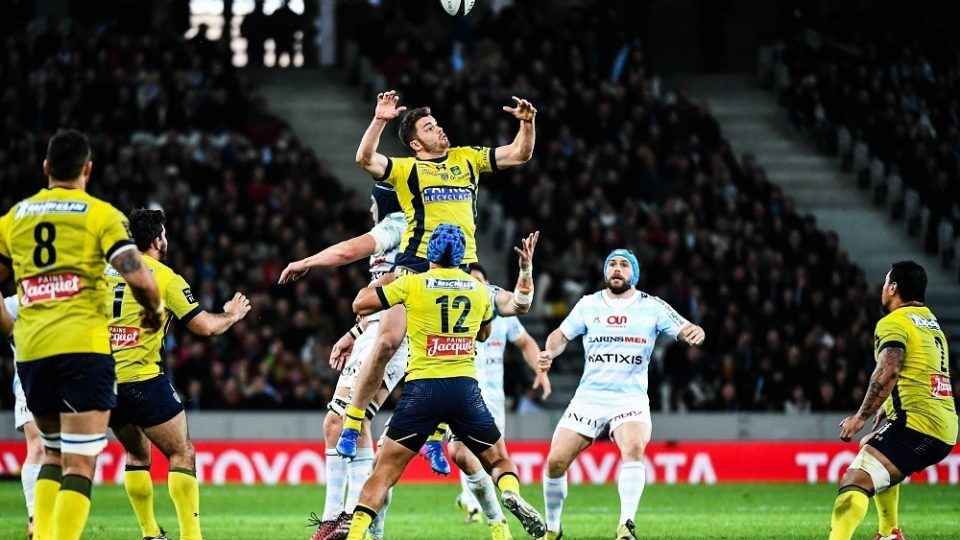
[(28, 478), (363, 516), (336, 468), (353, 418), (357, 471), (185, 492), (888, 502), (481, 487), (139, 487), (376, 528), (554, 493), (45, 498), (438, 433), (72, 507), (848, 511), (633, 475), (467, 499), (508, 481)]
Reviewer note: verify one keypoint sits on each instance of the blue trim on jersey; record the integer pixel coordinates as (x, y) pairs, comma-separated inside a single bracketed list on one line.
[(419, 213), (493, 160)]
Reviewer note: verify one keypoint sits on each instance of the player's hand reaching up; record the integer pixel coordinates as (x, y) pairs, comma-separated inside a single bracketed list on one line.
[(238, 306), (387, 106), (524, 110), (293, 272), (692, 335), (526, 253), (543, 381)]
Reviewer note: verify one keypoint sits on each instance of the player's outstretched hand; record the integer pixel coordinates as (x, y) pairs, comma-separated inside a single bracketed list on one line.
[(692, 335), (387, 106), (544, 361), (542, 380), (293, 272), (526, 253), (524, 110), (238, 306), (850, 426), (341, 351)]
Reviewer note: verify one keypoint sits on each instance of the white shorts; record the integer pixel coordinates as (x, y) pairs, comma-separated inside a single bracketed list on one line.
[(396, 368), (590, 416), (21, 414)]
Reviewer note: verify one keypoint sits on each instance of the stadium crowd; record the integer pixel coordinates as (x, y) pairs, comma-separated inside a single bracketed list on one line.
[(897, 95), (788, 317)]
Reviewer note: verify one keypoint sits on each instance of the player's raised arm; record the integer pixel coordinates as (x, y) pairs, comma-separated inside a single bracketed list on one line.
[(520, 150), (336, 255), (130, 265), (214, 324), (368, 158), (519, 301)]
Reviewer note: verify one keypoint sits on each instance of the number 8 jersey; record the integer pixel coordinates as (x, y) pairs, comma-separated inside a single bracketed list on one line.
[(58, 243)]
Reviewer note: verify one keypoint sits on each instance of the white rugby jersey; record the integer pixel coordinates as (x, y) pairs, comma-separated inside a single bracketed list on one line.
[(489, 360), (618, 339), (387, 235)]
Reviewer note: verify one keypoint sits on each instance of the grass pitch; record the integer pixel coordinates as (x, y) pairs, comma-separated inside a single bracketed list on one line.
[(427, 512)]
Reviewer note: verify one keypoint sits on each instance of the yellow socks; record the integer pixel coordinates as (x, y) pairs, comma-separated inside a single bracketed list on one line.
[(44, 499), (438, 433), (352, 418), (848, 511), (363, 516), (185, 492), (72, 507), (139, 487), (508, 481), (887, 503)]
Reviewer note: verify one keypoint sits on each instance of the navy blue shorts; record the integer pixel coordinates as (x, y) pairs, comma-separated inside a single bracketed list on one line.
[(412, 264), (425, 403), (909, 450), (68, 383), (145, 403)]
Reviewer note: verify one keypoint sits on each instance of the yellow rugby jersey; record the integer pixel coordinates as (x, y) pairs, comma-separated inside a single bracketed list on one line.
[(138, 351), (445, 307), (442, 190), (923, 396), (58, 243)]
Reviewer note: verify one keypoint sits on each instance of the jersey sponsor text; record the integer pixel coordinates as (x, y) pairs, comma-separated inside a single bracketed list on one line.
[(53, 287)]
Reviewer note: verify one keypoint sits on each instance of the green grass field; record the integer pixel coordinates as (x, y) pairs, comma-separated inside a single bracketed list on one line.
[(425, 512)]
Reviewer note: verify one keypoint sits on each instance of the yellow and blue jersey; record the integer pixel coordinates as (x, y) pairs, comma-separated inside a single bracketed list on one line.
[(923, 396), (137, 350), (441, 190), (445, 309), (58, 243)]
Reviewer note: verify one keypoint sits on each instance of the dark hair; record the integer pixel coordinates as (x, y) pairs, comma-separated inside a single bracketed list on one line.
[(408, 126), (67, 153), (911, 280), (476, 266), (146, 226)]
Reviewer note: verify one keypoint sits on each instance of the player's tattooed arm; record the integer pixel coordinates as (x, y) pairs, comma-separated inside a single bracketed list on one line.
[(130, 265), (882, 381)]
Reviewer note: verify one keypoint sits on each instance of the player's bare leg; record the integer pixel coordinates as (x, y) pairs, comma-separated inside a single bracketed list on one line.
[(564, 448), (481, 485), (632, 439), (136, 478), (172, 438), (392, 460), (31, 469), (496, 462), (869, 472), (392, 329), (888, 504)]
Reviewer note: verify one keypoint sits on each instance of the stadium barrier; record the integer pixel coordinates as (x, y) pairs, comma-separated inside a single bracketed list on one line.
[(302, 462)]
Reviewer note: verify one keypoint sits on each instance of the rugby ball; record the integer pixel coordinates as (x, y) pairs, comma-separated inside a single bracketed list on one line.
[(457, 7)]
